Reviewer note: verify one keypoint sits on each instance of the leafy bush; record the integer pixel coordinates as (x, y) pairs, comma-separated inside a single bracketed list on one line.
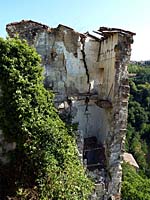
[(134, 187), (46, 158)]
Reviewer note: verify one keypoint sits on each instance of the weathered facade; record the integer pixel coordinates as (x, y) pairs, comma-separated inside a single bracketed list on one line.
[(88, 74)]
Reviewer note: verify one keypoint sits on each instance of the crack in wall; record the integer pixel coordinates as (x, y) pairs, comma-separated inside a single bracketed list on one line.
[(84, 59)]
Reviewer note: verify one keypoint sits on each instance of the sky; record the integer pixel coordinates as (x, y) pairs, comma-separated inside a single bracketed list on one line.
[(85, 15)]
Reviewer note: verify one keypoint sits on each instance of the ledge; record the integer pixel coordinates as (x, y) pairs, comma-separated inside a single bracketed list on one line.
[(104, 103)]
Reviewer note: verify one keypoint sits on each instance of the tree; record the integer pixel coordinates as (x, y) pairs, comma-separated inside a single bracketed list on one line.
[(137, 140), (134, 187), (45, 159), (136, 115)]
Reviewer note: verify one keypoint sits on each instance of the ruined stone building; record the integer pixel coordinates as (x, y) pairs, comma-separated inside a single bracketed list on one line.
[(88, 74)]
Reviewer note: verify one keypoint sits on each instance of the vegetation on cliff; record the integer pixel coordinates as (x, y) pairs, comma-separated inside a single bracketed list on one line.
[(45, 163), (138, 134), (136, 185)]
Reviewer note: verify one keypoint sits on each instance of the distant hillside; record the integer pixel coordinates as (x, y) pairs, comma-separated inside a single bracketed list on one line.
[(138, 135), (136, 185), (141, 63)]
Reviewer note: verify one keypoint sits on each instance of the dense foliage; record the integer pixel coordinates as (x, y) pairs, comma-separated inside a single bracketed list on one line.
[(136, 184), (138, 135), (45, 163), (134, 187)]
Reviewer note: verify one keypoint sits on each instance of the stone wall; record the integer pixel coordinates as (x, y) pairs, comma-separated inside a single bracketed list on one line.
[(116, 137), (89, 77)]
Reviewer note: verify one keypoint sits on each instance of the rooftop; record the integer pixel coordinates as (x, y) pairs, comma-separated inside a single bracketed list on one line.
[(128, 157)]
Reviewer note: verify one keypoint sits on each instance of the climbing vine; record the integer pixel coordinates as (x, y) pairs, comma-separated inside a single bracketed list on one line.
[(45, 158)]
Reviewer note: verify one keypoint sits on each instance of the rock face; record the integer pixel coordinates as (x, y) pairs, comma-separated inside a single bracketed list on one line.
[(88, 74)]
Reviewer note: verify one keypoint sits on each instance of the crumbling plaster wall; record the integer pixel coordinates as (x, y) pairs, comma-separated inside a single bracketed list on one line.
[(88, 75), (72, 70)]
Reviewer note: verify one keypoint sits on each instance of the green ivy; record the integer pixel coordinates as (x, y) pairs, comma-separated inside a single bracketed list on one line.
[(46, 155)]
